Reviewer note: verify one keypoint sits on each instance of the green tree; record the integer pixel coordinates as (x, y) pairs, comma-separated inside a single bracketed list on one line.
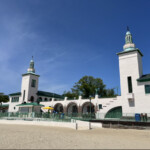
[(89, 86), (3, 98), (110, 93), (70, 95)]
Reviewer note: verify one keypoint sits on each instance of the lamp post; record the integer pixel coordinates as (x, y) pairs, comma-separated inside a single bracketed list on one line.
[(90, 108)]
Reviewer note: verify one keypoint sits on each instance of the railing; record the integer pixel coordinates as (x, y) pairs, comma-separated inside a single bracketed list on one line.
[(50, 116), (77, 116), (123, 117), (131, 117)]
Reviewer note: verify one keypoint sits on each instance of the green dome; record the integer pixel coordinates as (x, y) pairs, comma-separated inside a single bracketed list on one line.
[(128, 32)]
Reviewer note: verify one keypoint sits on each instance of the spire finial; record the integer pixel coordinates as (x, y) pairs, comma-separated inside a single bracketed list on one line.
[(31, 67), (128, 28)]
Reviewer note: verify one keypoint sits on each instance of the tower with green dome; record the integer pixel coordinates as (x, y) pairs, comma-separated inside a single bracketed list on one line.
[(131, 69), (29, 86)]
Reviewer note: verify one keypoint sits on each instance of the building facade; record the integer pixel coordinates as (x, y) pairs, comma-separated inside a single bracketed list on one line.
[(135, 90)]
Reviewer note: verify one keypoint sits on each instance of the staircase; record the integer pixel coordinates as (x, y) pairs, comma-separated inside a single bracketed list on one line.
[(108, 105)]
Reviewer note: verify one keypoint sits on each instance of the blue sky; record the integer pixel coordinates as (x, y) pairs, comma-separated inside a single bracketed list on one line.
[(69, 39)]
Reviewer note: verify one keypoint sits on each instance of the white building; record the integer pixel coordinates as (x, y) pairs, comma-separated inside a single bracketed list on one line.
[(135, 90), (29, 95), (135, 87)]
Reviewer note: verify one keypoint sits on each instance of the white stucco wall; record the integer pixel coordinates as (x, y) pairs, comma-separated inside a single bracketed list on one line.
[(130, 64), (12, 105), (26, 85), (108, 102)]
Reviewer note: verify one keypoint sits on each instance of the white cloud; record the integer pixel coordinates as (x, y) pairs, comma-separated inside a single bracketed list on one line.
[(13, 34), (52, 86)]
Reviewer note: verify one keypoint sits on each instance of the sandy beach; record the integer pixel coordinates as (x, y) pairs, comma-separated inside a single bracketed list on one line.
[(43, 137)]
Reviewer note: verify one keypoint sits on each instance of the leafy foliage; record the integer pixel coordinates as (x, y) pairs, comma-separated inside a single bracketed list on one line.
[(89, 86), (70, 95), (3, 98)]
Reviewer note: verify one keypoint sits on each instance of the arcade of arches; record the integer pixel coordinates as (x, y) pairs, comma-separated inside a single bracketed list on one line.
[(58, 108), (73, 108)]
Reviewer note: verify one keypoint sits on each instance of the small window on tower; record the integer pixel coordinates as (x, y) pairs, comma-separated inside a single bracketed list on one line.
[(100, 106), (130, 85), (33, 83), (147, 89), (24, 95)]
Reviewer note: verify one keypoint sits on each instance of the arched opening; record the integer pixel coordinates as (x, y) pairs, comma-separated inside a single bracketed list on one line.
[(45, 100), (32, 99), (88, 108), (72, 108), (50, 99), (58, 108), (114, 113), (40, 99)]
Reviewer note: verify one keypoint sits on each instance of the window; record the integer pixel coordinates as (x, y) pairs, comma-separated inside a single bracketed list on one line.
[(33, 83), (15, 99), (100, 106), (24, 109), (147, 89), (24, 94), (129, 84)]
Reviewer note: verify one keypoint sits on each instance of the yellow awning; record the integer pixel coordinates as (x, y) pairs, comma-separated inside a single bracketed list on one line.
[(48, 108)]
